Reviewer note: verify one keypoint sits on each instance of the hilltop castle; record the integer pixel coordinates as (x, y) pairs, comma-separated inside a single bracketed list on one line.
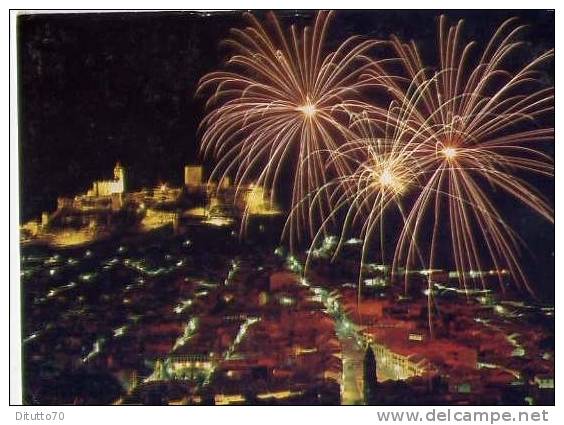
[(106, 208), (109, 187)]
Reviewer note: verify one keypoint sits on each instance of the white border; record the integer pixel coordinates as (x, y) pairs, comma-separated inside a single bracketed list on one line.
[(247, 415)]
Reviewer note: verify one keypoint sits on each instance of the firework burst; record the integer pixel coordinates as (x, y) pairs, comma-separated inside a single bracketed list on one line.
[(283, 106), (457, 138)]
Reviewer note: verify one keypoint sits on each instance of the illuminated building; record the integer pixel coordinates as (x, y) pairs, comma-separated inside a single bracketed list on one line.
[(193, 176), (544, 381), (187, 367), (218, 221), (83, 218), (223, 400), (154, 219), (44, 218), (109, 187), (400, 366), (30, 229), (257, 203), (164, 194)]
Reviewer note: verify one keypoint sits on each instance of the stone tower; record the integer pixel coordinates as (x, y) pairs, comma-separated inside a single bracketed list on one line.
[(119, 175)]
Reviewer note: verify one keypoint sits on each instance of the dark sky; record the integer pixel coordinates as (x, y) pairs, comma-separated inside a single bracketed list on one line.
[(98, 88)]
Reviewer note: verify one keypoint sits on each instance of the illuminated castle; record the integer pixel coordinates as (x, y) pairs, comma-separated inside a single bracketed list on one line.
[(91, 215), (110, 187)]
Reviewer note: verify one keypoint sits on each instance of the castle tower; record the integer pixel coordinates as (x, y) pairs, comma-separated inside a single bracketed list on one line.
[(193, 176), (119, 176), (44, 219)]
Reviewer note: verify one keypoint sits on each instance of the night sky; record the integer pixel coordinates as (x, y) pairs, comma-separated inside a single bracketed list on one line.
[(98, 88)]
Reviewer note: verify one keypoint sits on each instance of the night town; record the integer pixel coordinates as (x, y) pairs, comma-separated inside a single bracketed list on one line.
[(287, 208)]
